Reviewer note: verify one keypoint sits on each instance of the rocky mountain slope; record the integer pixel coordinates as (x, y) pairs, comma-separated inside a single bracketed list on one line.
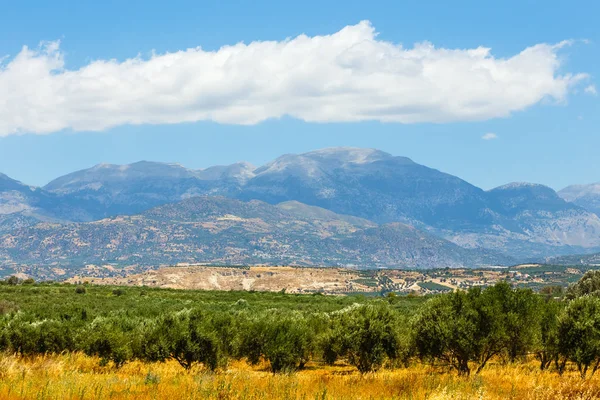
[(531, 220), (520, 220), (22, 204), (576, 259), (16, 197), (585, 196), (225, 231), (370, 184), (130, 189), (361, 182)]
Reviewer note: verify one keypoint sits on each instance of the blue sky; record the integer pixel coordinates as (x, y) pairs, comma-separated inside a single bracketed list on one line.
[(553, 141)]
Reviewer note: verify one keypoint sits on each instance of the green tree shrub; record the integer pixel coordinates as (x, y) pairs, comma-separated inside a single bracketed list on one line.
[(547, 348), (589, 284), (12, 280), (518, 312), (186, 337), (579, 334), (286, 341), (24, 337), (111, 339), (367, 336), (472, 327)]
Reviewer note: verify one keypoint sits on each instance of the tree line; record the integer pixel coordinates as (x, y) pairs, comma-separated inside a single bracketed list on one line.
[(462, 330)]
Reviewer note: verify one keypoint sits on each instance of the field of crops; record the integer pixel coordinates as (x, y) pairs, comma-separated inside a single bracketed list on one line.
[(63, 341)]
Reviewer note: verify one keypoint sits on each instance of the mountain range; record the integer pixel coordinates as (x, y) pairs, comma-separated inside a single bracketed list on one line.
[(224, 231), (386, 204)]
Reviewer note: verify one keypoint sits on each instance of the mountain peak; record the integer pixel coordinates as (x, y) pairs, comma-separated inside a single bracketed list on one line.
[(574, 192), (522, 186), (586, 196), (527, 190), (5, 178), (349, 155), (142, 164), (8, 183), (146, 163), (240, 171), (316, 163), (102, 173)]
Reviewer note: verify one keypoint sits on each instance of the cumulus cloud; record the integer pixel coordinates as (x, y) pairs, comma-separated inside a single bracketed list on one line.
[(591, 89), (347, 76), (489, 136)]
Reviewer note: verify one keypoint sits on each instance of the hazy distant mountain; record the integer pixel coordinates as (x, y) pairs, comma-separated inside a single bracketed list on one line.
[(538, 211), (21, 204), (576, 259), (406, 246), (130, 189), (369, 184), (515, 197), (239, 172), (16, 197), (225, 231), (133, 188), (361, 182), (519, 219), (7, 184), (586, 196), (532, 220), (302, 210)]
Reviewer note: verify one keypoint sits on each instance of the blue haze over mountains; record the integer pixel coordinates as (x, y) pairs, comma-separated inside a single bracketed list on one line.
[(360, 207)]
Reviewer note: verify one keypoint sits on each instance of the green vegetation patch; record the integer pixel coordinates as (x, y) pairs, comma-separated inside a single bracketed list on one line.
[(370, 282), (463, 330), (434, 286)]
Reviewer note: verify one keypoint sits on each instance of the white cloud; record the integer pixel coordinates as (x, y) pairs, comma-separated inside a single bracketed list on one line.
[(347, 76), (489, 136), (591, 89)]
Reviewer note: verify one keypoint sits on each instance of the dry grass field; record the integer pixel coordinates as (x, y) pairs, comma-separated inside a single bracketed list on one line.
[(76, 376)]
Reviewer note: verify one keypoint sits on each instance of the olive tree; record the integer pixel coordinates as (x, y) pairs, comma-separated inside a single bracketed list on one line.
[(110, 339), (579, 334), (21, 336), (474, 326), (547, 347), (446, 329), (589, 284), (286, 341), (366, 336), (518, 313), (186, 337)]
